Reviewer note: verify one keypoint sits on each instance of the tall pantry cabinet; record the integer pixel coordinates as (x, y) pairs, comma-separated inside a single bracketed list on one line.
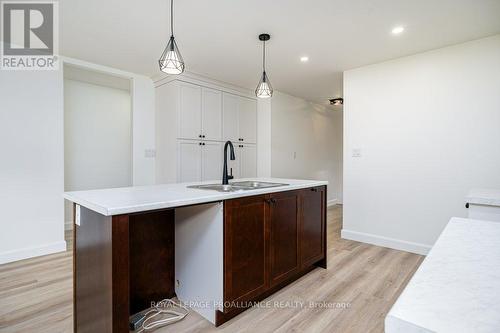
[(192, 124)]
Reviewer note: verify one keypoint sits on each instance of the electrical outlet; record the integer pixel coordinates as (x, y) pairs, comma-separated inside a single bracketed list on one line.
[(150, 153), (356, 152), (77, 214)]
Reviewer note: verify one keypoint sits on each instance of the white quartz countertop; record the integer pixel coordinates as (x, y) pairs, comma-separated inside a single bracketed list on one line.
[(127, 200), (457, 287), (483, 196)]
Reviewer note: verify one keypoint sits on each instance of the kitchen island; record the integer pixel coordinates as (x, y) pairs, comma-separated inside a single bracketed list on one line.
[(218, 252), (457, 287)]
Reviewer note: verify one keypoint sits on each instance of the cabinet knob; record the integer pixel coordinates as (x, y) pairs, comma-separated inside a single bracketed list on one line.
[(199, 143), (271, 201), (203, 136), (200, 136)]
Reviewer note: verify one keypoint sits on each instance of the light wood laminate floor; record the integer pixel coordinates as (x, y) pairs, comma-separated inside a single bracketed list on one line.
[(360, 285)]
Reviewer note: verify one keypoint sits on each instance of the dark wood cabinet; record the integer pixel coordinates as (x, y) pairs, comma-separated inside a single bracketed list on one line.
[(312, 225), (245, 249), (269, 241), (284, 227)]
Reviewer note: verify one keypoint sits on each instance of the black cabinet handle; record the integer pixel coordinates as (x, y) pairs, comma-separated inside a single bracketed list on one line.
[(203, 136), (199, 143), (270, 201), (200, 136), (314, 189), (203, 144)]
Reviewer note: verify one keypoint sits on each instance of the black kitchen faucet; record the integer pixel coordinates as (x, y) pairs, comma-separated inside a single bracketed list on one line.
[(225, 175)]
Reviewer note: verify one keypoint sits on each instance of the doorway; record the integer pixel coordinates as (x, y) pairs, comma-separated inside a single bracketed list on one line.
[(97, 132)]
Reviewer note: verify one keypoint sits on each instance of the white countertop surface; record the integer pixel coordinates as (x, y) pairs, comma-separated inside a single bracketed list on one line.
[(127, 200), (457, 287), (483, 196)]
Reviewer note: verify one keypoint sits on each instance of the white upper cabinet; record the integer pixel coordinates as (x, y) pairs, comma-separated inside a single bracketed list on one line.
[(230, 115), (211, 159), (247, 120), (189, 111), (200, 113), (240, 118), (211, 114), (248, 161), (189, 158), (192, 124)]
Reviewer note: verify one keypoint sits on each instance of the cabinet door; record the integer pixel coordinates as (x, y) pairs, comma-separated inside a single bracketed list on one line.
[(248, 120), (245, 249), (189, 111), (211, 160), (248, 162), (211, 114), (230, 105), (189, 166), (284, 225), (312, 226)]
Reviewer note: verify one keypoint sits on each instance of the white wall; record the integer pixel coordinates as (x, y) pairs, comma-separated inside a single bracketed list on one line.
[(98, 142), (143, 130), (428, 127), (31, 164), (263, 137), (306, 142)]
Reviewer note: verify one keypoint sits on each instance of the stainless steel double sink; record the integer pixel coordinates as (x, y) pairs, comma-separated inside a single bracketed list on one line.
[(237, 186)]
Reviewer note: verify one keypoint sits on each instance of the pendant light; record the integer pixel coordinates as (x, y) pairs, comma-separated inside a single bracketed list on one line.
[(171, 61), (264, 88)]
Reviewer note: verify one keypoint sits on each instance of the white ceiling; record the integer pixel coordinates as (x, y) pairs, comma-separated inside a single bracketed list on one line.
[(218, 38)]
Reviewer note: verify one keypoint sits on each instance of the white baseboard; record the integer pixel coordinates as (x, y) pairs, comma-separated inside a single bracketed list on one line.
[(31, 252), (392, 243), (332, 202)]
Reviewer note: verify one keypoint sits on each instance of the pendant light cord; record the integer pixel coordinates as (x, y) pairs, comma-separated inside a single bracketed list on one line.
[(171, 18), (264, 57)]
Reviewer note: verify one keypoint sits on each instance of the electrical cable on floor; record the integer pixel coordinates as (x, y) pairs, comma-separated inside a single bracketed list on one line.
[(164, 307)]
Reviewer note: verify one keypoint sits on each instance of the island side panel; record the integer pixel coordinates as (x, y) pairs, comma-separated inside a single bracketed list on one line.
[(92, 279), (152, 270)]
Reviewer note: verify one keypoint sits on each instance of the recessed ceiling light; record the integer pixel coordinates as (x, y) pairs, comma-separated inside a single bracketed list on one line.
[(397, 30), (304, 59)]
